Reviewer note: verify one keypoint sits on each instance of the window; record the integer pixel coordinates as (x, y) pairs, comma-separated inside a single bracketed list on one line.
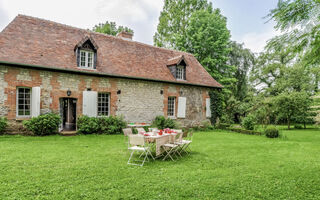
[(24, 102), (180, 72), (86, 59), (171, 106), (103, 104)]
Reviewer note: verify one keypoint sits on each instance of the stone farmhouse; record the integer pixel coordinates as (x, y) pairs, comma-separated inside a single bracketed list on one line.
[(50, 67)]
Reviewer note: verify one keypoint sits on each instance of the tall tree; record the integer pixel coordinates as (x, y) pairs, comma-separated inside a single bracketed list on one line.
[(299, 20), (173, 20), (243, 60), (110, 28)]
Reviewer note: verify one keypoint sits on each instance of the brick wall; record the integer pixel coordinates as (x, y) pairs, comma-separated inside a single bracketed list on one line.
[(139, 101)]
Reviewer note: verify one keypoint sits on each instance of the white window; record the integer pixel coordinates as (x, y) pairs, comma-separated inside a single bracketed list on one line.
[(180, 72), (86, 59), (23, 102), (103, 104), (171, 106)]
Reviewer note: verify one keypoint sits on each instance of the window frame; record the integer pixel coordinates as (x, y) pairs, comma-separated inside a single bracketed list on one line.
[(108, 108), (174, 107), (180, 71), (17, 103), (86, 60)]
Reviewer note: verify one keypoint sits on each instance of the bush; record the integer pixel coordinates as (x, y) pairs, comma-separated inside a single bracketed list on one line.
[(46, 124), (245, 131), (100, 125), (248, 122), (111, 125), (87, 125), (161, 123), (298, 126), (272, 132), (3, 124), (223, 126)]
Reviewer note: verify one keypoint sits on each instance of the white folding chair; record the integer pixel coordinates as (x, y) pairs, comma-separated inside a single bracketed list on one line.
[(141, 130), (137, 144), (186, 144), (127, 131), (171, 148)]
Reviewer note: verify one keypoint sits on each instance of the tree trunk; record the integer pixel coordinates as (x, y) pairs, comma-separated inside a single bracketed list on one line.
[(288, 124), (304, 124)]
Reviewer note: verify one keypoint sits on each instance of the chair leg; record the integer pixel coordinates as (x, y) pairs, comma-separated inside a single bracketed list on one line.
[(168, 154), (148, 151), (130, 158)]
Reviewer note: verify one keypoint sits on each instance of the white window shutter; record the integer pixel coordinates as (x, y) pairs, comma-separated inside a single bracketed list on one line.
[(35, 101), (208, 109), (89, 104), (182, 102)]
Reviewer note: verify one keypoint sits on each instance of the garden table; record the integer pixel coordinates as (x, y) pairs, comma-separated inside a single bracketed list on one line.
[(158, 140)]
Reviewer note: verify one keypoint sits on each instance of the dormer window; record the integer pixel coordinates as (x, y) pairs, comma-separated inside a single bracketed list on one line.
[(86, 51), (86, 58), (180, 72), (177, 67)]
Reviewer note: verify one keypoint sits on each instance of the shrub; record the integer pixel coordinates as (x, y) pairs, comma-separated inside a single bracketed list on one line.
[(272, 132), (248, 122), (161, 122), (111, 125), (244, 131), (100, 125), (3, 124), (87, 125), (223, 126), (46, 124), (206, 126), (298, 126)]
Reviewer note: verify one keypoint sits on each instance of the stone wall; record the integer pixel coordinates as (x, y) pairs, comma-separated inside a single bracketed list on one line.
[(139, 101)]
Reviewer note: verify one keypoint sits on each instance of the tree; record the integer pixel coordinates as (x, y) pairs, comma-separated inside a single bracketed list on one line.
[(174, 19), (299, 20), (243, 60), (207, 38), (292, 106), (110, 28)]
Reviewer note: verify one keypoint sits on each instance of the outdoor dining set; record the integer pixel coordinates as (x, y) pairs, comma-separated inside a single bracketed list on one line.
[(157, 144)]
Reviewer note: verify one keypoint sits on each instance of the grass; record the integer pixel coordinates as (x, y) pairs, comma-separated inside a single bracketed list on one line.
[(223, 165)]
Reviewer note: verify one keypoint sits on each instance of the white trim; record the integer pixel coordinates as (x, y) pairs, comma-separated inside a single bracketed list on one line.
[(182, 103), (17, 103), (86, 56), (208, 109), (180, 67), (35, 101), (174, 107), (109, 94)]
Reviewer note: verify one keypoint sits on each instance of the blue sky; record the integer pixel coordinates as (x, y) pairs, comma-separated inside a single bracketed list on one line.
[(245, 17), (246, 20)]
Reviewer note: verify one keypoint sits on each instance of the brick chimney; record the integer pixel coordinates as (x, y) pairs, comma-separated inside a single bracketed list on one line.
[(125, 35)]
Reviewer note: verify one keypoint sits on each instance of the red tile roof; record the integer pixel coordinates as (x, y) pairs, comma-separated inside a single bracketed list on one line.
[(34, 41)]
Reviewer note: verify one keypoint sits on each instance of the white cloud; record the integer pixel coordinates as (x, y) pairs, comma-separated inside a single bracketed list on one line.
[(257, 41)]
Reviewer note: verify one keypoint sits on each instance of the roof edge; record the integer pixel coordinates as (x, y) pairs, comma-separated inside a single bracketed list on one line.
[(100, 74)]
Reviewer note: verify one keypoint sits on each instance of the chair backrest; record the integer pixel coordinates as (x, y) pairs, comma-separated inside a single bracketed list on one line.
[(190, 135), (140, 130), (127, 131), (179, 139), (153, 129), (177, 130), (136, 140)]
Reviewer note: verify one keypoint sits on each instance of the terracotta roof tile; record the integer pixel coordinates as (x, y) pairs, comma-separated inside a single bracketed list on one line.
[(35, 41)]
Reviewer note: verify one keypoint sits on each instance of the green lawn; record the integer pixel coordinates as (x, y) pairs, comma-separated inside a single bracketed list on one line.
[(223, 165)]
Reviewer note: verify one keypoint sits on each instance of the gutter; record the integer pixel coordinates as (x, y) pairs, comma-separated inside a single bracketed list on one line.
[(99, 74)]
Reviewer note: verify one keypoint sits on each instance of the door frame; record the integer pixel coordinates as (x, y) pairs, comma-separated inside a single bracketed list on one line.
[(62, 110)]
